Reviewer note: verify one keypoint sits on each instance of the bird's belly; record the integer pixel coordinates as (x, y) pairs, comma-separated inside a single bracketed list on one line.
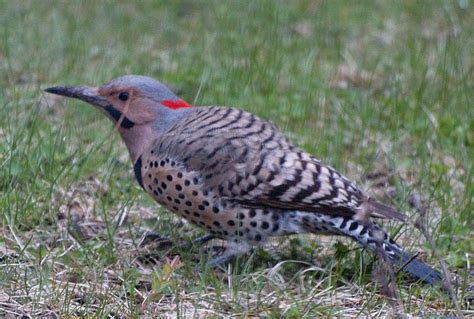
[(184, 193), (223, 219)]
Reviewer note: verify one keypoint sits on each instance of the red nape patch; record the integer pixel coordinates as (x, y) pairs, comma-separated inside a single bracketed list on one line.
[(175, 104)]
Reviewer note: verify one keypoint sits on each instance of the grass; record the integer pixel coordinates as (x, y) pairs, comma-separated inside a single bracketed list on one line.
[(380, 90)]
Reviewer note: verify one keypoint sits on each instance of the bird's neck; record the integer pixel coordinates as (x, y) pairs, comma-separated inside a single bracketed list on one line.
[(137, 139), (167, 118), (140, 137)]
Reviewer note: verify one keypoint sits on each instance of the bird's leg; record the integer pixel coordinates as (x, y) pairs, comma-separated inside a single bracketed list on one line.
[(197, 241), (161, 242), (202, 240), (165, 243), (233, 250)]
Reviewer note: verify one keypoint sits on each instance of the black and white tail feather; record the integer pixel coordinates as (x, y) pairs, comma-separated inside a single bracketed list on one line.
[(375, 239)]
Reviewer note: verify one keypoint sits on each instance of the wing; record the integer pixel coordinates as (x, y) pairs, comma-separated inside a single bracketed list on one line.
[(249, 161), (295, 180)]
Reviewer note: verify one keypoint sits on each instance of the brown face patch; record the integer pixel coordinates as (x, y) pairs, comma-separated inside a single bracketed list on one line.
[(130, 102)]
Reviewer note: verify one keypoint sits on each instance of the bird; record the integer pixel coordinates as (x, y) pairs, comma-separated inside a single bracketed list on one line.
[(236, 175)]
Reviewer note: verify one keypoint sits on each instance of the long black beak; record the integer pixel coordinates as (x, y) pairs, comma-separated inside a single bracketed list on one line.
[(90, 95), (85, 93)]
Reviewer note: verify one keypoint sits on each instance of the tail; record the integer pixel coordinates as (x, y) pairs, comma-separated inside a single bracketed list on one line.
[(375, 239), (373, 208), (418, 269)]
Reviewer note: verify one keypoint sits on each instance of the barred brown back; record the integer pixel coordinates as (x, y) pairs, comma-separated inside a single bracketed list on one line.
[(248, 160)]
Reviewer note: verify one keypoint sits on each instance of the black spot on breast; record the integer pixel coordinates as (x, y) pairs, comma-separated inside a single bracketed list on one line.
[(163, 185), (265, 225), (179, 187), (169, 198), (169, 178), (215, 209), (258, 237), (231, 223), (252, 213), (253, 224)]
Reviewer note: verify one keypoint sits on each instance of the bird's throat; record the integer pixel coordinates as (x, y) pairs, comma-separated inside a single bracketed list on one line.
[(137, 139)]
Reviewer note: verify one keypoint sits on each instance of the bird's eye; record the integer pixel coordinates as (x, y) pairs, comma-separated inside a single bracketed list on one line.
[(123, 96)]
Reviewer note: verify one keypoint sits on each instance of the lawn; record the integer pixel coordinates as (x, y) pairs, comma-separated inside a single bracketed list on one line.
[(383, 91)]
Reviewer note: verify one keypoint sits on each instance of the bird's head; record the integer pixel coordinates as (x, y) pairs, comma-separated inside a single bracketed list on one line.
[(140, 107), (128, 101)]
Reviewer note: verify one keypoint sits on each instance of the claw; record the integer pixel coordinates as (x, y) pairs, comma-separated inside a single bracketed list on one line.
[(165, 243), (203, 239), (232, 251), (161, 242)]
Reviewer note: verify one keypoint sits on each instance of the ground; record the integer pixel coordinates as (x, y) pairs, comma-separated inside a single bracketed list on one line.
[(383, 91)]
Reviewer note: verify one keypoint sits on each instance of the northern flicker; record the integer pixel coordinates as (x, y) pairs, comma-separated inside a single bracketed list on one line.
[(236, 175)]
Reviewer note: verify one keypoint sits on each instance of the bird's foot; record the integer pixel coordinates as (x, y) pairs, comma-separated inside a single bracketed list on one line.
[(231, 252), (199, 241), (159, 241), (221, 261), (163, 243)]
